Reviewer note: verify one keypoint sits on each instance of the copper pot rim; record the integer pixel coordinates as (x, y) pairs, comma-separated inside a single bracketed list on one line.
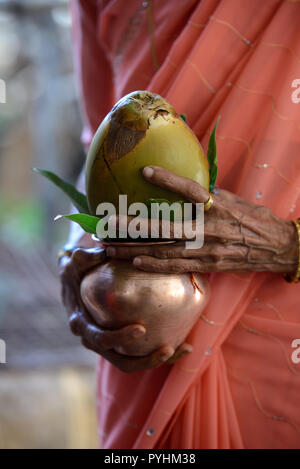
[(132, 243), (143, 275)]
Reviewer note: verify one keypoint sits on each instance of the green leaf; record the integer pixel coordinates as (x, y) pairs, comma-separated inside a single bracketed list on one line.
[(183, 117), (87, 222), (78, 199), (212, 158)]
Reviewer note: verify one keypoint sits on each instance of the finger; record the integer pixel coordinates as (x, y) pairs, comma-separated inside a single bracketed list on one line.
[(124, 252), (170, 266), (86, 259), (163, 251), (151, 264), (214, 250), (102, 340), (185, 187), (77, 325), (150, 228), (183, 350), (132, 364)]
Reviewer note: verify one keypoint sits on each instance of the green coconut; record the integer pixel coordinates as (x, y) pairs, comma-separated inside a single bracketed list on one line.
[(141, 129)]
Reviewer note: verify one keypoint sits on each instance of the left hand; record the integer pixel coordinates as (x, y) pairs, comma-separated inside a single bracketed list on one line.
[(240, 236), (72, 268)]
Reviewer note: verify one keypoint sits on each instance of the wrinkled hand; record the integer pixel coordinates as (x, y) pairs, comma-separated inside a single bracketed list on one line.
[(72, 270), (239, 236)]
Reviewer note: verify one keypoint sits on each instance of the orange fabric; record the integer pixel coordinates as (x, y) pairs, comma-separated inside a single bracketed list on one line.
[(239, 388)]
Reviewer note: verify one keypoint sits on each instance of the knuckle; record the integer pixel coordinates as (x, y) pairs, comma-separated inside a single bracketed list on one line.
[(75, 324)]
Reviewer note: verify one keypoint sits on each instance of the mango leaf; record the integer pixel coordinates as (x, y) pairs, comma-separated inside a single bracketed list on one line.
[(78, 199), (183, 117), (87, 222), (212, 158)]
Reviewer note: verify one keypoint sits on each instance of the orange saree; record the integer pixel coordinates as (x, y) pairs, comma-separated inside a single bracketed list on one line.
[(238, 59)]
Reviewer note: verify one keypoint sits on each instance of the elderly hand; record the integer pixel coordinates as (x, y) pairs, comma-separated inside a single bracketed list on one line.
[(239, 236), (72, 269)]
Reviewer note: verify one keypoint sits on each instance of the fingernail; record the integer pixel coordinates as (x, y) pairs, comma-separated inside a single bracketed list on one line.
[(111, 251), (165, 357), (137, 261), (148, 172), (138, 332)]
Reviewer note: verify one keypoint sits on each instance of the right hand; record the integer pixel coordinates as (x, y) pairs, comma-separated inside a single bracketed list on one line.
[(72, 269)]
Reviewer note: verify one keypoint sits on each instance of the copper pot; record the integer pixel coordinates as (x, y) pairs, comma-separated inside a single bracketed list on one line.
[(168, 305)]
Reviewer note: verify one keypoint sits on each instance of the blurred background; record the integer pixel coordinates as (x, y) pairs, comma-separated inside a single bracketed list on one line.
[(47, 385)]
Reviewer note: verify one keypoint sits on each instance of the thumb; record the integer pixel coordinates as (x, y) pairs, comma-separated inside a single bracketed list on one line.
[(86, 259)]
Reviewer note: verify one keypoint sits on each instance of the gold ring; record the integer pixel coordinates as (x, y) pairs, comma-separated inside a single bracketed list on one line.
[(208, 204)]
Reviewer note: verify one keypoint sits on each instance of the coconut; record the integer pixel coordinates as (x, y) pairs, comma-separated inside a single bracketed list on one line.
[(142, 129)]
